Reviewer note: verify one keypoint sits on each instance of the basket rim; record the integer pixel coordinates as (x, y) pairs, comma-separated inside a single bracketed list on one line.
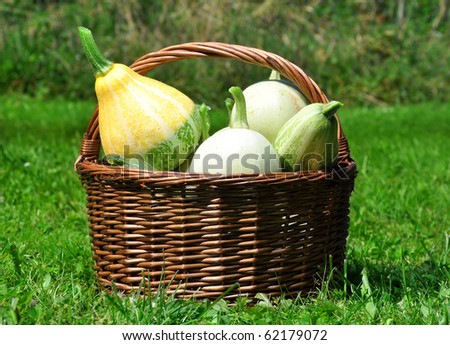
[(91, 142), (344, 170), (341, 172)]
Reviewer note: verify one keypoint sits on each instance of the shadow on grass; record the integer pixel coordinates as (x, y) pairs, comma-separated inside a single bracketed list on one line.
[(398, 280)]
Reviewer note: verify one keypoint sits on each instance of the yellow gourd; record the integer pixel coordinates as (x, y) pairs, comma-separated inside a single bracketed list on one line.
[(143, 122)]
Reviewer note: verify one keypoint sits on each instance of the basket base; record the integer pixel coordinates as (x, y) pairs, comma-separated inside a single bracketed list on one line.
[(181, 289), (204, 240)]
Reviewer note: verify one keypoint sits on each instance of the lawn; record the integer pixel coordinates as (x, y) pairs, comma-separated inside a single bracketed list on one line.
[(398, 269)]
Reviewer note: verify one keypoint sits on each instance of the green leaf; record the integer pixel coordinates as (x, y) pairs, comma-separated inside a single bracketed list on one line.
[(425, 311), (365, 288), (206, 123), (47, 281), (371, 309), (264, 300)]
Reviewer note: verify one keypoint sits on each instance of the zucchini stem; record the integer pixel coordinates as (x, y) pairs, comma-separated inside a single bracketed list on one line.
[(275, 75), (239, 118), (331, 108), (99, 63)]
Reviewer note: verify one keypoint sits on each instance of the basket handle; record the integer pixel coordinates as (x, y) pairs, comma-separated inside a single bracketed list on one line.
[(91, 141)]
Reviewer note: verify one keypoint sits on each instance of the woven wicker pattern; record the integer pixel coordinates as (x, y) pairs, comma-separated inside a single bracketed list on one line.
[(200, 235)]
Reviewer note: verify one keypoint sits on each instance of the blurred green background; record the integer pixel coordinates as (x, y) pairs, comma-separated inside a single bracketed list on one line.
[(358, 51)]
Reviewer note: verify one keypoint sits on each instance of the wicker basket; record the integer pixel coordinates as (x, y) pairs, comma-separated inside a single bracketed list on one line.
[(200, 236)]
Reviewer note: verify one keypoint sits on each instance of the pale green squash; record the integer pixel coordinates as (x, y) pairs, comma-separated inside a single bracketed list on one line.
[(308, 141)]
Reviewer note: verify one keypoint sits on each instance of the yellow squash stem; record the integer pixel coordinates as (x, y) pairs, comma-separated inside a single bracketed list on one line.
[(99, 63)]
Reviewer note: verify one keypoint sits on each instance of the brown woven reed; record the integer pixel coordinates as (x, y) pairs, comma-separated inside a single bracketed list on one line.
[(199, 235)]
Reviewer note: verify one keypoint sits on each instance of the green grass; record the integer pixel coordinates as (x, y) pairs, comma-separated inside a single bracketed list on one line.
[(398, 247)]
